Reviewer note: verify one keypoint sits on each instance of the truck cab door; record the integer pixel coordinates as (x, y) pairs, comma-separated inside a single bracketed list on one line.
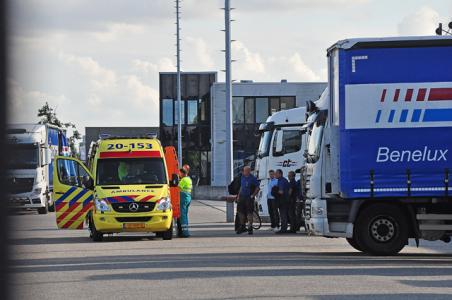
[(73, 189), (172, 167)]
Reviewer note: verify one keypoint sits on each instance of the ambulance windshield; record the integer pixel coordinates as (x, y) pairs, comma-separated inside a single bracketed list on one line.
[(131, 171)]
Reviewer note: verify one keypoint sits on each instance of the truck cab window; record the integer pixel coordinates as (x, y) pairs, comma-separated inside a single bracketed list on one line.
[(291, 140), (264, 146)]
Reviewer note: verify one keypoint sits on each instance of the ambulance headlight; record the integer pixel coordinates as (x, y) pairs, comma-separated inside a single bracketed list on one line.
[(102, 205), (164, 204)]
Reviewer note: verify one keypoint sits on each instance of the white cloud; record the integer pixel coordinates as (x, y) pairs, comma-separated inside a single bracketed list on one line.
[(202, 52), (101, 78), (247, 60), (422, 22), (115, 31), (302, 70), (141, 94)]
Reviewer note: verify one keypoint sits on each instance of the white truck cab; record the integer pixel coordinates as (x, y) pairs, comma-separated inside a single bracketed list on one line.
[(282, 146), (32, 147)]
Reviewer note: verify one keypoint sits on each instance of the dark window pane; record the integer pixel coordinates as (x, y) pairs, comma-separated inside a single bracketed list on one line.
[(261, 109), (191, 137), (167, 112), (205, 137), (292, 141), (249, 110), (237, 110), (203, 110), (167, 136), (274, 105), (192, 111), (287, 102), (176, 111)]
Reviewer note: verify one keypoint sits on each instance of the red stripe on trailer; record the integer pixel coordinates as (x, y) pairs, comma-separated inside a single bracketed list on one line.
[(128, 154), (421, 94), (409, 95), (438, 94), (383, 95), (396, 95)]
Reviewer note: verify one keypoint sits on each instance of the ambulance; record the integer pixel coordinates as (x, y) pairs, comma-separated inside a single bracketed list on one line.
[(125, 188)]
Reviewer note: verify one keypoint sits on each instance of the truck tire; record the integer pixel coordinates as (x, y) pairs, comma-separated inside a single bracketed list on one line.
[(95, 235), (168, 235), (381, 229), (354, 244), (44, 210)]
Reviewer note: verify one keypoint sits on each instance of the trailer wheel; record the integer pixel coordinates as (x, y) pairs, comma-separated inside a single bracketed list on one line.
[(354, 244), (381, 229)]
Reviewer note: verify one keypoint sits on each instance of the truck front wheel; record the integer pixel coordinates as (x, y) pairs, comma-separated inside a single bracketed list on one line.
[(381, 229), (44, 210)]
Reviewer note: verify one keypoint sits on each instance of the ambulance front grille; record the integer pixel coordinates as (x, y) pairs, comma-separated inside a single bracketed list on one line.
[(125, 207)]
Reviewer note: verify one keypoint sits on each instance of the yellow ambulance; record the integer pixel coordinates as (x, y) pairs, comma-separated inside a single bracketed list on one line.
[(124, 188)]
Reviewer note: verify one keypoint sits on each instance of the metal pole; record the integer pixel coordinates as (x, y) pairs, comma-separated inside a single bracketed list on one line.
[(229, 149), (179, 101)]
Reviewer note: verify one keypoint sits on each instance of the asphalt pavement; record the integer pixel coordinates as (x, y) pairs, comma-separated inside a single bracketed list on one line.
[(215, 263)]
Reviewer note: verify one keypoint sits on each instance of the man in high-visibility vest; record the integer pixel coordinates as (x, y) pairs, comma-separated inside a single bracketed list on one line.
[(185, 186)]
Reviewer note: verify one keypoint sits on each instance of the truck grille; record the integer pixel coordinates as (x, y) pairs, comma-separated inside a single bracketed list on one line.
[(307, 211), (142, 207), (20, 185), (133, 219)]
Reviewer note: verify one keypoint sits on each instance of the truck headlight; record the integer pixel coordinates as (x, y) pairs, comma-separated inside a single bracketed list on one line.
[(317, 211), (102, 205), (37, 191), (164, 204)]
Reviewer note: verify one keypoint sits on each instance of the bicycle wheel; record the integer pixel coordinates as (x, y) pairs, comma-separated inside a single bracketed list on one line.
[(257, 221)]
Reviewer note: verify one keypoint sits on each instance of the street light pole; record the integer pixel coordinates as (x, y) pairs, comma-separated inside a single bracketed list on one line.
[(228, 83), (179, 101)]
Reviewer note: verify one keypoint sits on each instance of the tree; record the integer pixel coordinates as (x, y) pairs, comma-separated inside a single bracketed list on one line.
[(48, 116)]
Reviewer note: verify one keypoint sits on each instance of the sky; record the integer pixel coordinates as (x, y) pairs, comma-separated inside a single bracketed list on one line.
[(97, 61)]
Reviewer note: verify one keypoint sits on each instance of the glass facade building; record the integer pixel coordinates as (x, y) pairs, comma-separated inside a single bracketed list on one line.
[(196, 120), (247, 114)]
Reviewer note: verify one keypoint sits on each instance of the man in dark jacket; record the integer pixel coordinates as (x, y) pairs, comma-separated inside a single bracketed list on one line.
[(283, 199), (249, 187)]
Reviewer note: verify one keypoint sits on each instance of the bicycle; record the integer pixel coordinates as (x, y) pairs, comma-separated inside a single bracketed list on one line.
[(257, 220)]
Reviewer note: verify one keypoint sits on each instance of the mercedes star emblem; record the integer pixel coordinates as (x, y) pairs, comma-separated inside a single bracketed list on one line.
[(133, 206)]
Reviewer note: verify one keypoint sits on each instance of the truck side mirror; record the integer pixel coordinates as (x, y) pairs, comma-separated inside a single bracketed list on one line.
[(46, 156), (174, 180)]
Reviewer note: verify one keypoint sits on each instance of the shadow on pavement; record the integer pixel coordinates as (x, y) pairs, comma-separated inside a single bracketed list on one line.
[(276, 264)]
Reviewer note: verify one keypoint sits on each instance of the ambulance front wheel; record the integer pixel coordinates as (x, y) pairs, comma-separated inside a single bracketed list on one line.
[(168, 235), (95, 235)]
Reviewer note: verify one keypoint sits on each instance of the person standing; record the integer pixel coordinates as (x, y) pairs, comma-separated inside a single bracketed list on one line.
[(282, 196), (249, 187), (292, 203), (272, 202), (185, 186)]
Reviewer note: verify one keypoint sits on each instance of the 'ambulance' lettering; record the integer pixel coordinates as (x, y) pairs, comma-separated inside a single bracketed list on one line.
[(385, 154)]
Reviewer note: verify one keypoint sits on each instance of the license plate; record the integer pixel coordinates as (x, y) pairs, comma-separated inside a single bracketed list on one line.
[(134, 225)]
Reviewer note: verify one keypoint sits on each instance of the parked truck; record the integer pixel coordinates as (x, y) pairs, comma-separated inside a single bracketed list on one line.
[(32, 148), (281, 146), (380, 144)]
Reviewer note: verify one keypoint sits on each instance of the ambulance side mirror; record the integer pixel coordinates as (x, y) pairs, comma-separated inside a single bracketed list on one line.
[(174, 180), (88, 183)]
